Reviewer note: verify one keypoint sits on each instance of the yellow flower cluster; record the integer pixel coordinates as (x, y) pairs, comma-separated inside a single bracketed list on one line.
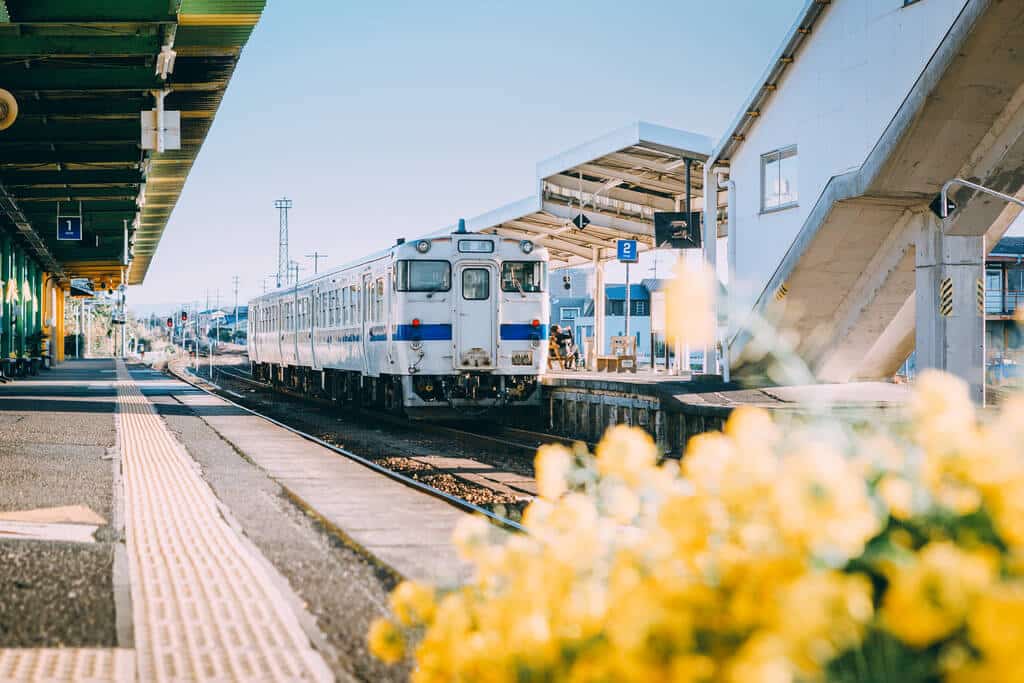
[(775, 552)]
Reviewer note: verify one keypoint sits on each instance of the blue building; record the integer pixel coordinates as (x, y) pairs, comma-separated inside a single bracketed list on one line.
[(577, 312)]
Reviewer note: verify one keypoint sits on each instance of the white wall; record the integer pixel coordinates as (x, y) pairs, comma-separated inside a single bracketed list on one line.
[(834, 103)]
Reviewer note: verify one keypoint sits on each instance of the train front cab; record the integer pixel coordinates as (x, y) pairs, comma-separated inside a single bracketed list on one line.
[(496, 348)]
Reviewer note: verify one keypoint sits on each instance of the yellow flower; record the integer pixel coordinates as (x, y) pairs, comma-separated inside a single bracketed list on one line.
[(386, 642), (626, 452), (822, 505), (552, 466), (997, 622), (413, 603), (688, 304), (929, 599), (470, 536), (823, 614), (751, 427), (898, 495), (942, 412)]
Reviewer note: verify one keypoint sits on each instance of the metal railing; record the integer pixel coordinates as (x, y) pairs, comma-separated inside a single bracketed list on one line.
[(999, 302)]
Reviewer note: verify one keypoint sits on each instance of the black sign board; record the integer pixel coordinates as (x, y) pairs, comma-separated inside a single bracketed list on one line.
[(677, 230), (581, 221)]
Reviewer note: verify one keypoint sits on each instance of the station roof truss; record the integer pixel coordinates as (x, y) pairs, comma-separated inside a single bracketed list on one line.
[(82, 71), (617, 182)]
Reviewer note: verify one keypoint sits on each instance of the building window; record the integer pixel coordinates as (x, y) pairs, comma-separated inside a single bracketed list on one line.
[(778, 179), (615, 307), (639, 307), (569, 313)]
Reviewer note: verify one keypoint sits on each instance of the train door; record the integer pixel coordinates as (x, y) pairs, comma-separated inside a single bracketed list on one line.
[(313, 323), (476, 315), (367, 321), (293, 346), (279, 329)]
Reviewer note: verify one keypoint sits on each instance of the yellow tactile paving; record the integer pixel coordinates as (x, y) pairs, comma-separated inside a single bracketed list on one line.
[(52, 665), (204, 607)]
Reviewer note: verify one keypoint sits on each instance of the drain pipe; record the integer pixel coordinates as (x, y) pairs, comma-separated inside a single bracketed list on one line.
[(730, 257)]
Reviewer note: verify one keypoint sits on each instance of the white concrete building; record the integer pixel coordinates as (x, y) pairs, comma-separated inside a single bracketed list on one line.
[(868, 107)]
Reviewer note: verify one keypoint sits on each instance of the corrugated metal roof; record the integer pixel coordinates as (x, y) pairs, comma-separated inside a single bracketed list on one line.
[(83, 71), (1009, 246)]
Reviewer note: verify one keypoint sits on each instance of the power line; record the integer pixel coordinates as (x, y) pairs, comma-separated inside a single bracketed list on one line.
[(316, 256)]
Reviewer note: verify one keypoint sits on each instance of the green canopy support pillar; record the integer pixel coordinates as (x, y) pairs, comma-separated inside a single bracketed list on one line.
[(5, 308), (37, 306), (19, 324)]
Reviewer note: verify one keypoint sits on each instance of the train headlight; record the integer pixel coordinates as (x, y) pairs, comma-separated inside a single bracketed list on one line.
[(526, 246), (423, 246)]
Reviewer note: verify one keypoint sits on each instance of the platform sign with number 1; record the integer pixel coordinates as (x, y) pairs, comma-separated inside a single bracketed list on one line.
[(69, 228), (626, 251)]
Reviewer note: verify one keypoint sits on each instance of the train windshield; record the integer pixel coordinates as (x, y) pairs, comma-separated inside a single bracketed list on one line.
[(423, 276), (522, 276)]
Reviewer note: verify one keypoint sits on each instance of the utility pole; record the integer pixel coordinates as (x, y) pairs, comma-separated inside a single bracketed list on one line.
[(293, 269), (234, 332), (282, 205), (316, 256)]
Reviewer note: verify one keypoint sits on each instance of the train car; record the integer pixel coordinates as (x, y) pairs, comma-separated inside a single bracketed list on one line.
[(447, 326)]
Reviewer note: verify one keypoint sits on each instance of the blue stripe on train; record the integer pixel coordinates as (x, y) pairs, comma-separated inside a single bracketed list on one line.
[(424, 332), (408, 333), (523, 331)]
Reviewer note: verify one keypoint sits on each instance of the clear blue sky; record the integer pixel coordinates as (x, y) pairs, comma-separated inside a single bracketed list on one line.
[(392, 118)]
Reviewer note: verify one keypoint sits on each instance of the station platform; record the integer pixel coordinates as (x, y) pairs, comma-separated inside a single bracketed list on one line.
[(673, 408), (151, 532)]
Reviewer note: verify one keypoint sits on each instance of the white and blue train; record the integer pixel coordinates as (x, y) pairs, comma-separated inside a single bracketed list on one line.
[(442, 326)]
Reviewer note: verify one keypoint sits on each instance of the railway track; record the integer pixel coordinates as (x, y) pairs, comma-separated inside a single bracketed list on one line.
[(523, 440), (213, 389)]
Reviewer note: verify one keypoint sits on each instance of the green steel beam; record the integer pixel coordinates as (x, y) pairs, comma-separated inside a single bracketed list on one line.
[(48, 210), (19, 178), (75, 155), (71, 130), (77, 46), (86, 104), (53, 76), (91, 11), (66, 194)]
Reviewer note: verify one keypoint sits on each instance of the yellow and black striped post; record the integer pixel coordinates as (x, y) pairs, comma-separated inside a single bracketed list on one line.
[(946, 297)]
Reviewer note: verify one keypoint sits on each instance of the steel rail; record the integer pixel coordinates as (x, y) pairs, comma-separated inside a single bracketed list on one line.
[(459, 503)]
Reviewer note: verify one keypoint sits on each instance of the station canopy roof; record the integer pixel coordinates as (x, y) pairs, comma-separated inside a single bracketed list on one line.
[(82, 71), (616, 182)]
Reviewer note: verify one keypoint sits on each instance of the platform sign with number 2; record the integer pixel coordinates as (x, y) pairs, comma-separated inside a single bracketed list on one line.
[(626, 251)]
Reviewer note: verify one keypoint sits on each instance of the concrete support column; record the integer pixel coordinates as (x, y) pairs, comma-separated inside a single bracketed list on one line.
[(950, 325), (6, 307), (710, 237), (599, 317)]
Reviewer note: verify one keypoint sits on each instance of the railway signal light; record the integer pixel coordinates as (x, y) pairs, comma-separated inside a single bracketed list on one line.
[(567, 282), (415, 322), (184, 316), (170, 322)]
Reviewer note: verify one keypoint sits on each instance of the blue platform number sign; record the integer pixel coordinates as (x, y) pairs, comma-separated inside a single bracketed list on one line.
[(627, 251), (69, 228)]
